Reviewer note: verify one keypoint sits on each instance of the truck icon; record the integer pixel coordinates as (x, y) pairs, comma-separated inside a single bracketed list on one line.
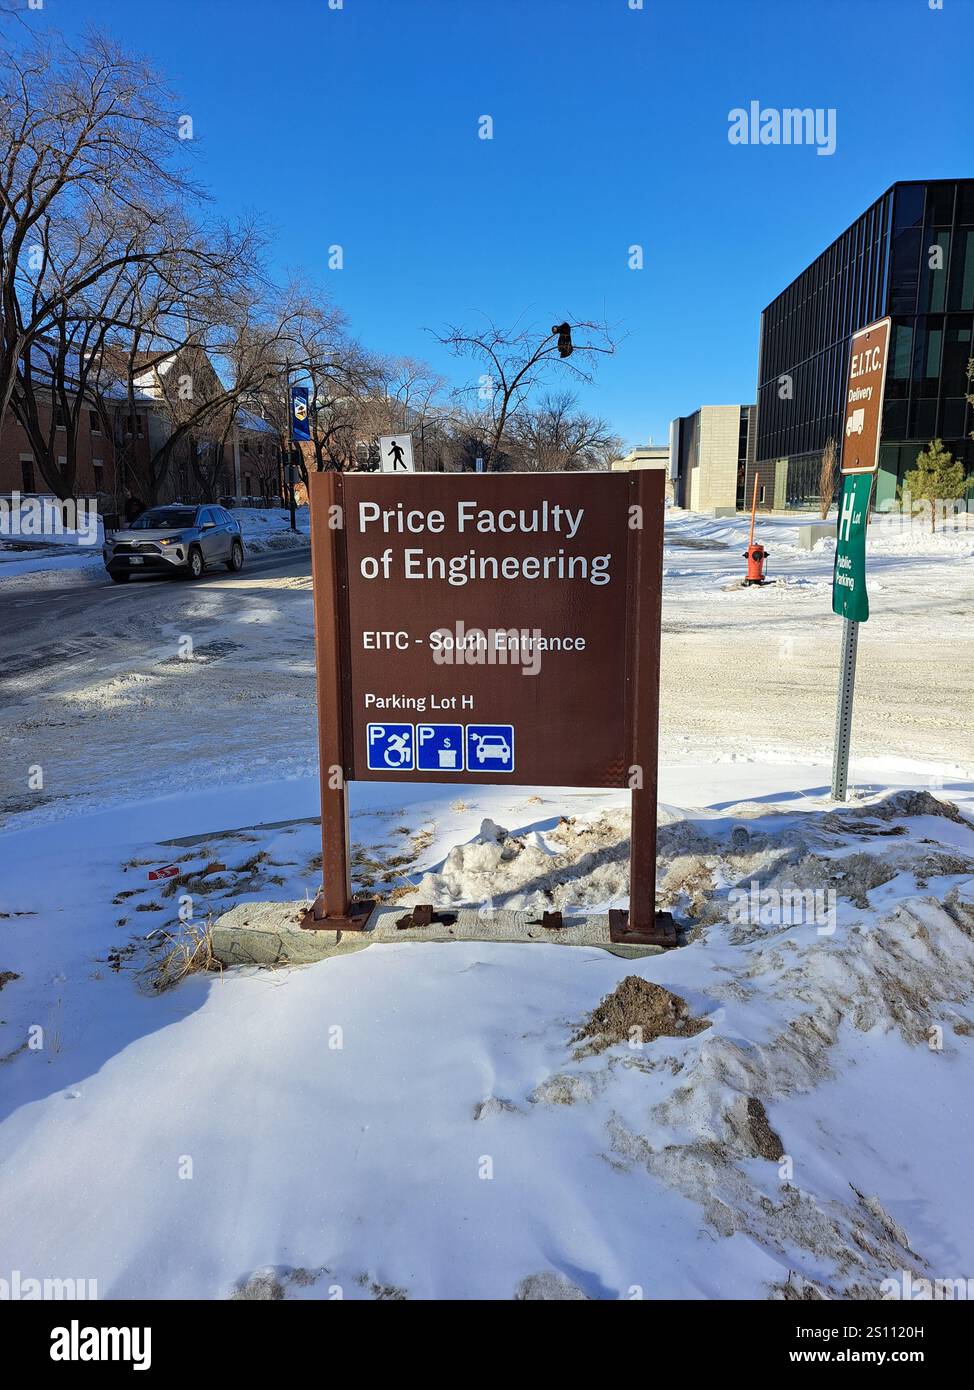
[(856, 422), (492, 746)]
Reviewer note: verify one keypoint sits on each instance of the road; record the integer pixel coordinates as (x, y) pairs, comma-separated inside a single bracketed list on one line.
[(32, 610), (117, 692), (119, 689)]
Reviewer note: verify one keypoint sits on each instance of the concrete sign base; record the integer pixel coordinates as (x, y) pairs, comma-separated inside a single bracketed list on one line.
[(271, 934)]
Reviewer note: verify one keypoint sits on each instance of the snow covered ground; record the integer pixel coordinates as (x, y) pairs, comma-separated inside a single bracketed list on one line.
[(419, 1121)]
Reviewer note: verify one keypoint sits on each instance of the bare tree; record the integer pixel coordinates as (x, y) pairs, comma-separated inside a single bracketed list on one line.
[(125, 325), (314, 349), (517, 360), (556, 435), (413, 387), (826, 481), (90, 161)]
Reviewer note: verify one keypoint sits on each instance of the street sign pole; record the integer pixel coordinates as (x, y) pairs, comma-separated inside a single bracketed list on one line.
[(843, 713), (863, 427), (642, 923), (333, 908)]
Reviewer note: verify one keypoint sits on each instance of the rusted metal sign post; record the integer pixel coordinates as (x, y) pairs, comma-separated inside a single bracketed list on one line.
[(489, 627)]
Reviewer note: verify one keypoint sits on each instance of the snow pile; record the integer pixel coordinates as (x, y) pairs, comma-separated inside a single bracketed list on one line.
[(769, 1110), (46, 567), (270, 529)]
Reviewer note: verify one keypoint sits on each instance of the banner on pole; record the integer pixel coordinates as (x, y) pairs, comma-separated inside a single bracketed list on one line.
[(300, 418)]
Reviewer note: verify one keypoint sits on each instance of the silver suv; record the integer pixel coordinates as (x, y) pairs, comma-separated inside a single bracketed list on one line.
[(175, 540)]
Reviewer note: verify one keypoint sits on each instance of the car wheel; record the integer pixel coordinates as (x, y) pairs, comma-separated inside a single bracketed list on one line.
[(194, 566), (235, 563), (120, 578)]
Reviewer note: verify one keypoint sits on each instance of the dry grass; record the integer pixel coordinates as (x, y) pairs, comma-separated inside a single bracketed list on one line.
[(187, 952)]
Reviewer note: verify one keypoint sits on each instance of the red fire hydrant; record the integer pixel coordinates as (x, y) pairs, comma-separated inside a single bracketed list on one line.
[(755, 555)]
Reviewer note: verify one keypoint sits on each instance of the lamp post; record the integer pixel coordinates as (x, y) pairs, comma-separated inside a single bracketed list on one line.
[(288, 468)]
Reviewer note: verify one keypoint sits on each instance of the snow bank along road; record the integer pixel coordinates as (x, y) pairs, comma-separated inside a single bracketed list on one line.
[(99, 686)]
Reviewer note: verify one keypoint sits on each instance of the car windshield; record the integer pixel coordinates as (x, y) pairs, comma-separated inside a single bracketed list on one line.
[(167, 520)]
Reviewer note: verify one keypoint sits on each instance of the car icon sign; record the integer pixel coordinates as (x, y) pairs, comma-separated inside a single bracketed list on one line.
[(493, 746)]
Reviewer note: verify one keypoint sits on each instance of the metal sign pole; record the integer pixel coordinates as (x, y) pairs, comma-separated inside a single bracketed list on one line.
[(333, 907), (843, 713), (862, 431), (642, 924)]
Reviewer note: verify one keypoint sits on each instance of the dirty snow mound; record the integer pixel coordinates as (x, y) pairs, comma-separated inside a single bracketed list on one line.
[(638, 1009)]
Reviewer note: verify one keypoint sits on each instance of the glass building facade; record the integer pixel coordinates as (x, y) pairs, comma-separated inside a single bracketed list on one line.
[(911, 256)]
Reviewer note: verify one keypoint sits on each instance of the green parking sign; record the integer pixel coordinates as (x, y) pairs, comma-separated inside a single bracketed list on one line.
[(849, 597)]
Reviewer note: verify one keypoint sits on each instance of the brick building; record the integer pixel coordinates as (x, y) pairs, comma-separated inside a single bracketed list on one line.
[(117, 450)]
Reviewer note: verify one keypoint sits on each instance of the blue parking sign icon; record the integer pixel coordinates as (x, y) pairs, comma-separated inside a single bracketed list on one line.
[(490, 747), (439, 747), (390, 747)]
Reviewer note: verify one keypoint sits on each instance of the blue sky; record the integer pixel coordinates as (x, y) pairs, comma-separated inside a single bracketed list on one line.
[(359, 126)]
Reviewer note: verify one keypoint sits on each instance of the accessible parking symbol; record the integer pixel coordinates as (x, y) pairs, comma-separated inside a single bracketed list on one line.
[(390, 746)]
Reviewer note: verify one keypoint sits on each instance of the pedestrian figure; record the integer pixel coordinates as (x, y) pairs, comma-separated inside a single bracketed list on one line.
[(397, 452)]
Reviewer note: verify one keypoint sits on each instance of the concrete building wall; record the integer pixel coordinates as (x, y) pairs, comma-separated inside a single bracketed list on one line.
[(647, 456), (720, 431)]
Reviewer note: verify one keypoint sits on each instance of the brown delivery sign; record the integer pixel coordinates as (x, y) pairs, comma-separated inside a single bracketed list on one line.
[(497, 628), (865, 389)]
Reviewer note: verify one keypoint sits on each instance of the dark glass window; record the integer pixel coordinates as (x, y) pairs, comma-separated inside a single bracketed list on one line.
[(906, 256), (934, 262), (965, 203), (894, 419), (940, 204), (908, 208), (923, 419), (957, 354), (900, 367), (961, 294), (928, 346), (952, 418)]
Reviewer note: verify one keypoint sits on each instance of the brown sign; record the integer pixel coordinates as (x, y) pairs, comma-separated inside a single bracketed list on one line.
[(488, 628), (863, 420)]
